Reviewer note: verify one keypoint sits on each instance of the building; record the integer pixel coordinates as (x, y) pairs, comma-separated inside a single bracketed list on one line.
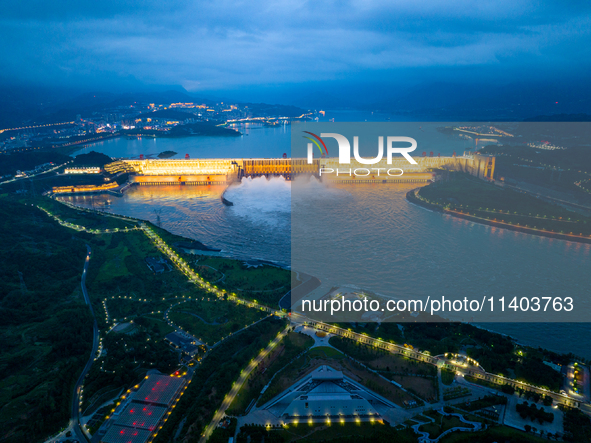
[(183, 342), (141, 415), (222, 171), (157, 265), (83, 170), (84, 188), (327, 395)]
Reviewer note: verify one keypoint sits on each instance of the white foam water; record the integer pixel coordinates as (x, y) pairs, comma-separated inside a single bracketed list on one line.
[(261, 200)]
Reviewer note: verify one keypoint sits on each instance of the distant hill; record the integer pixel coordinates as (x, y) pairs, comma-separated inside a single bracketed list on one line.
[(93, 158), (191, 129), (266, 110), (25, 161), (20, 106), (203, 128)]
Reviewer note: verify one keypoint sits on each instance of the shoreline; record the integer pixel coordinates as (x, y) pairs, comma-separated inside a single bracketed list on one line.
[(221, 253), (71, 148), (314, 281), (411, 198)]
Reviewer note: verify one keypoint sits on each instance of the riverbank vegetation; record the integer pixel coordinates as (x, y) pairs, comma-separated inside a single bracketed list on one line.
[(290, 347), (89, 219), (464, 194), (566, 171), (166, 154), (188, 130), (364, 432), (45, 327), (213, 379), (252, 280), (496, 353), (210, 320)]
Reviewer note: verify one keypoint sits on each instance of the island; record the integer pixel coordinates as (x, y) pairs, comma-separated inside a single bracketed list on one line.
[(167, 154)]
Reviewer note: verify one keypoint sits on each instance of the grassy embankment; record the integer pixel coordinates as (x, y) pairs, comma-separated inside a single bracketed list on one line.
[(213, 378), (46, 330), (497, 353), (264, 284), (291, 346), (417, 377), (469, 197), (566, 171), (210, 320)]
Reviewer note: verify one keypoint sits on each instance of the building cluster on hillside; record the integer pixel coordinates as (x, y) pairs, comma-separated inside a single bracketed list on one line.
[(151, 117), (545, 145)]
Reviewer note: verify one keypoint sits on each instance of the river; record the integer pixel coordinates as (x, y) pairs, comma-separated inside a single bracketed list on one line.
[(435, 253)]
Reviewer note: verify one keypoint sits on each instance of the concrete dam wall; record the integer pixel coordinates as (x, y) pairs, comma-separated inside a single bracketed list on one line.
[(221, 171)]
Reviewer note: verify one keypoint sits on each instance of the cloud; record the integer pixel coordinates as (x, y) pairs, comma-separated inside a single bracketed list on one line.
[(224, 44)]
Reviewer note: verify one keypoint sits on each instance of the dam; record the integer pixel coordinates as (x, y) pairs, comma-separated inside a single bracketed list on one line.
[(222, 171)]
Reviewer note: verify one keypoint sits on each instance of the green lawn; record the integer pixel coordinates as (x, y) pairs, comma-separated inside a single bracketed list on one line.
[(493, 434), (88, 219), (121, 308), (381, 359), (325, 351), (266, 284), (210, 321), (447, 376), (442, 424), (293, 344)]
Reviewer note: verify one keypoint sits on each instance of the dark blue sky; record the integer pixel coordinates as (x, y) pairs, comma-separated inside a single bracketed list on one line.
[(365, 50)]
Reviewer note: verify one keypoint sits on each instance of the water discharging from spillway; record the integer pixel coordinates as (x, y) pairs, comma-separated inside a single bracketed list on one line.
[(262, 201), (257, 226), (432, 254)]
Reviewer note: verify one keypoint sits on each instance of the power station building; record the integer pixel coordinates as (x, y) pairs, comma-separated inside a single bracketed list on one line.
[(222, 171), (327, 395)]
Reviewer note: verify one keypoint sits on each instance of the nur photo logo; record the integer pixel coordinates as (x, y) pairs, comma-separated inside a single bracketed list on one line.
[(344, 146)]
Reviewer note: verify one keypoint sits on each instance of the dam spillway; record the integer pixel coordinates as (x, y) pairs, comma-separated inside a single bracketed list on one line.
[(222, 171)]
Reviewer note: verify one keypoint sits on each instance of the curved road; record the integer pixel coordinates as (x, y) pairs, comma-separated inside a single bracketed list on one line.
[(238, 385), (75, 420)]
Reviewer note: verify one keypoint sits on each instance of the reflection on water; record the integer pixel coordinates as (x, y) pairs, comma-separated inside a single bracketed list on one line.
[(368, 236), (257, 141), (426, 253), (254, 227), (387, 245)]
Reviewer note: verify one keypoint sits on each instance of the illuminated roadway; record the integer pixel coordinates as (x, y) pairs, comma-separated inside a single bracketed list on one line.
[(460, 367), (238, 385), (76, 400), (36, 126)]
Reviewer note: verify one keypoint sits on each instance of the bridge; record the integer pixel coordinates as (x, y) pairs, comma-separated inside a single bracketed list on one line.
[(222, 171)]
